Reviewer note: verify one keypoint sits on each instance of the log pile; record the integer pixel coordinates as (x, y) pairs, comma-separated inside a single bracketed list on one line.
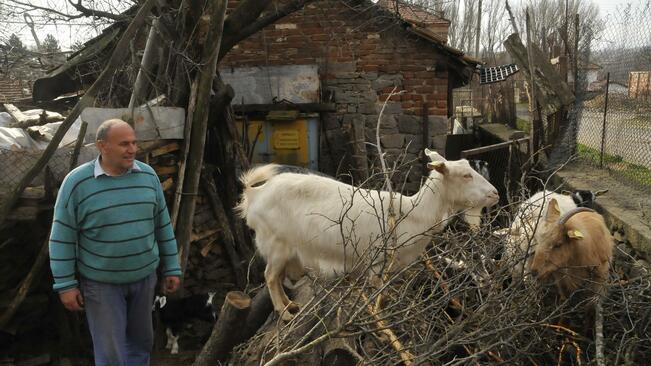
[(208, 268)]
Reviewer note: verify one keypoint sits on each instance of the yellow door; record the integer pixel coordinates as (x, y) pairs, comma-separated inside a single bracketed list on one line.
[(282, 142), (289, 142)]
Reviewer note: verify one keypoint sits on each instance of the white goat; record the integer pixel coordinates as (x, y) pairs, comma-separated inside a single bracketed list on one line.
[(310, 221), (472, 215), (520, 241)]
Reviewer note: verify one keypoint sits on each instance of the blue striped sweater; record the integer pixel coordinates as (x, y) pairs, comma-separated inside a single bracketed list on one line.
[(113, 229)]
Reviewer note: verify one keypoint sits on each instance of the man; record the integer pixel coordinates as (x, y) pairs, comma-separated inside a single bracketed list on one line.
[(111, 226)]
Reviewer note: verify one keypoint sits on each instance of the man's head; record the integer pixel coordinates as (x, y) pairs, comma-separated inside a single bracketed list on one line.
[(116, 141)]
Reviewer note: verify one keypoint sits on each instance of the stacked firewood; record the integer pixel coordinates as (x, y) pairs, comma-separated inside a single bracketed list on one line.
[(208, 266)]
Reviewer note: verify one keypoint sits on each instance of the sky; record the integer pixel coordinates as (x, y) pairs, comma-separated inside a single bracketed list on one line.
[(81, 29)]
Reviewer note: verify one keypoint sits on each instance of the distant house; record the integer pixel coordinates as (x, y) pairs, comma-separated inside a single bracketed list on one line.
[(614, 87), (350, 55), (591, 70), (639, 85)]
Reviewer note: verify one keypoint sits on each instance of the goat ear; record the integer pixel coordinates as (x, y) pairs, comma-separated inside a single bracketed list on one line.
[(553, 212), (433, 155), (566, 193), (574, 234), (439, 166), (601, 192)]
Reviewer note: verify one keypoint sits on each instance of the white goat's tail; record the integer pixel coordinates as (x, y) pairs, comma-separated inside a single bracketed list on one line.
[(252, 180)]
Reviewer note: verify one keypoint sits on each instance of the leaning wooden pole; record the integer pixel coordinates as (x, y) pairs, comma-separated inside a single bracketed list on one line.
[(26, 284), (199, 120), (118, 56)]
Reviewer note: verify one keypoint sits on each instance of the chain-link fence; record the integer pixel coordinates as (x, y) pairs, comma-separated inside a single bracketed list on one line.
[(610, 125), (15, 164)]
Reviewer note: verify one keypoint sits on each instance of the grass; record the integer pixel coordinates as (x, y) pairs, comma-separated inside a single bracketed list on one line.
[(634, 172), (523, 125)]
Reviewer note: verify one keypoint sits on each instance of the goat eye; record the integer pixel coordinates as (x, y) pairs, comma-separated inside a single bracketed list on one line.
[(468, 176)]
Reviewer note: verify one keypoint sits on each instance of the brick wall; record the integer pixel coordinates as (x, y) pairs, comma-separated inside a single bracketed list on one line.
[(362, 53)]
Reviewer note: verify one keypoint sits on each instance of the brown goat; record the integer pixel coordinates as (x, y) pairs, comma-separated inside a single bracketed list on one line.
[(573, 251)]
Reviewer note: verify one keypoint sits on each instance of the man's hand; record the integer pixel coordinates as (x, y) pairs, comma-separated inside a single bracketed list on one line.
[(72, 299), (171, 284)]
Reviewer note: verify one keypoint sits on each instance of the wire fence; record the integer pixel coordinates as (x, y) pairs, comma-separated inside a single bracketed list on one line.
[(610, 124)]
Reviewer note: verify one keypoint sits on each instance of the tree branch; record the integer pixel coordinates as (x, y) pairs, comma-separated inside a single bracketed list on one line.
[(93, 12), (239, 26), (83, 11)]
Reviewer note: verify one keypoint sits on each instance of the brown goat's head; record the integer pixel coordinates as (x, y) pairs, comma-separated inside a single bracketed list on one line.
[(557, 245)]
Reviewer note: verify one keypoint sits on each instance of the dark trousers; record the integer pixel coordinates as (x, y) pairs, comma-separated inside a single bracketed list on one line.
[(120, 322)]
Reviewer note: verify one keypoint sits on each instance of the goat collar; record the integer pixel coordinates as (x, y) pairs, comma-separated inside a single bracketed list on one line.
[(563, 219)]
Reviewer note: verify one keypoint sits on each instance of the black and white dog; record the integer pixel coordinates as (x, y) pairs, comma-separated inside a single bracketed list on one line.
[(174, 314), (585, 198)]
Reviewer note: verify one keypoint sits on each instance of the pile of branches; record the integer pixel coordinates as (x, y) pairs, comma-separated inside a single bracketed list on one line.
[(456, 305)]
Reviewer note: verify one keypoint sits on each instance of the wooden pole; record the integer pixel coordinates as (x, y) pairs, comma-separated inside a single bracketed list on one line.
[(478, 30), (199, 128), (118, 56), (425, 134), (536, 122), (603, 128), (78, 144), (576, 54), (149, 59)]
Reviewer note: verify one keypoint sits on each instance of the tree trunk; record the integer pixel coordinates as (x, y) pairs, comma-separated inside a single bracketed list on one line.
[(233, 313), (236, 324), (198, 133)]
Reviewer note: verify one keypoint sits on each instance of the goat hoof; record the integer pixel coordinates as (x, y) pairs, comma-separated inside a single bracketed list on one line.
[(289, 311), (286, 316), (292, 308)]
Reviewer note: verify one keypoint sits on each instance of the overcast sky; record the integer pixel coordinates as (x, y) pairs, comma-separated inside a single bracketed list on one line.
[(82, 29)]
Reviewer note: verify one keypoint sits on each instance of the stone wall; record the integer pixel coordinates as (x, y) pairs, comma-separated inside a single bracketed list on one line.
[(362, 53)]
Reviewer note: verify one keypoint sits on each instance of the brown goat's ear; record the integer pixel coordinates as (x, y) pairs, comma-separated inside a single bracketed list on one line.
[(553, 212), (439, 166), (574, 234)]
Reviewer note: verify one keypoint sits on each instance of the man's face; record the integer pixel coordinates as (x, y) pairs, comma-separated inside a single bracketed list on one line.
[(119, 149)]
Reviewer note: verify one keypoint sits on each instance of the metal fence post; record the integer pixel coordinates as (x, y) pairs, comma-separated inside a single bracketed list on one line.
[(603, 129)]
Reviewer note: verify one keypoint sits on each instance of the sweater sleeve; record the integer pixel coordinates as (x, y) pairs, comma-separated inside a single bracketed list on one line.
[(165, 236), (63, 240)]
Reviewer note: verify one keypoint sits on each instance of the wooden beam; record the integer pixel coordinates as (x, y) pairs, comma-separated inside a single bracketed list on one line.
[(479, 150), (174, 146), (551, 92), (15, 113), (301, 107)]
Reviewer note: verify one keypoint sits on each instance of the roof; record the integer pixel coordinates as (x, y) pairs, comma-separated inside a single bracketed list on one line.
[(420, 21), (413, 13)]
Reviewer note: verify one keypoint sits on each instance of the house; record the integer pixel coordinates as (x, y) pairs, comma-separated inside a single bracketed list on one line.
[(335, 63), (639, 85), (614, 87)]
